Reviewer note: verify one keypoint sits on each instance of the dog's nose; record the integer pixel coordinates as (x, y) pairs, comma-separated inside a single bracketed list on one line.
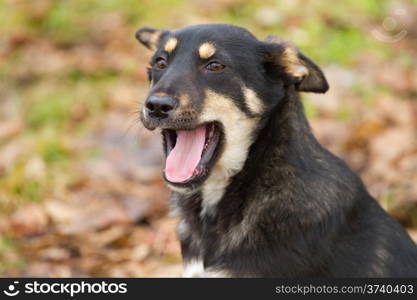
[(160, 107)]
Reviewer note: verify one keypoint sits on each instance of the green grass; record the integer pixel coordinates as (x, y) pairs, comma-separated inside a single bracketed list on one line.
[(8, 257), (310, 110)]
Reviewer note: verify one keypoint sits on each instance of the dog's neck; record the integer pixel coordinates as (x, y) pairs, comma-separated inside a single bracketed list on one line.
[(284, 141), (286, 138)]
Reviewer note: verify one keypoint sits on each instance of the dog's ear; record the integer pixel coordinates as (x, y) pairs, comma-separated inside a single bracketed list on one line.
[(300, 70), (150, 37)]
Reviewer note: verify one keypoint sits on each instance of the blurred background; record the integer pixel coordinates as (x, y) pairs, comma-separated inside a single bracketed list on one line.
[(80, 179)]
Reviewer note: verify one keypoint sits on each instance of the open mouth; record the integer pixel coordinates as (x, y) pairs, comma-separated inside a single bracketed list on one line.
[(191, 153)]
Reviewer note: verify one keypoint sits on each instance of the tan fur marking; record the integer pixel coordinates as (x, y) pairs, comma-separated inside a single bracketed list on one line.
[(160, 94), (184, 101), (292, 63), (206, 50), (238, 128), (238, 137), (289, 58), (171, 44), (252, 101), (152, 38)]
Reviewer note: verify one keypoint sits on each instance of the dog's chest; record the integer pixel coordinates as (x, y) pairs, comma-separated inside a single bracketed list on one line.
[(197, 251), (204, 247), (207, 236)]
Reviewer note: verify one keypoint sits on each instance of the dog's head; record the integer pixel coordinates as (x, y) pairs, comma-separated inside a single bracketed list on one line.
[(211, 85)]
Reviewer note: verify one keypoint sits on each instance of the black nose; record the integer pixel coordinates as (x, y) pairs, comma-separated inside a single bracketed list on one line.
[(160, 107)]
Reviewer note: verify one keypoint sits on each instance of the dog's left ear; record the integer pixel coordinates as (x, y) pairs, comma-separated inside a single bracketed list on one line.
[(150, 37), (302, 72)]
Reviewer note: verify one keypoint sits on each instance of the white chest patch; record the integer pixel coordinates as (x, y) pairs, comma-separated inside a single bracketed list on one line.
[(193, 269)]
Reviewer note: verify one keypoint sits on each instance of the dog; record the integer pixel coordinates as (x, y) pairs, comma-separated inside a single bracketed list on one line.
[(255, 192)]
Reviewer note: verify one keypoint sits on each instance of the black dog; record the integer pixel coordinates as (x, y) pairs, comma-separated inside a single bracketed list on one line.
[(256, 194)]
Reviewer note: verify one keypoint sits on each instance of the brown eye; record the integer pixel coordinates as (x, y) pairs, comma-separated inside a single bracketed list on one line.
[(215, 67), (161, 63)]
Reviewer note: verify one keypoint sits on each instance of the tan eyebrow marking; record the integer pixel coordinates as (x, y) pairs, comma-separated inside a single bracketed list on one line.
[(206, 50), (171, 44)]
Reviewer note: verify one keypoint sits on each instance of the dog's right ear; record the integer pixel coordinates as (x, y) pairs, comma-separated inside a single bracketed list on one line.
[(150, 37)]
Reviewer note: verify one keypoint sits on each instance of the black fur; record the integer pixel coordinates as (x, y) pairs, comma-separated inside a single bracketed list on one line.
[(304, 212), (319, 219)]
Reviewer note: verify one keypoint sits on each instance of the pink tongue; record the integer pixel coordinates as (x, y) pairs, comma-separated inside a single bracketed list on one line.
[(183, 159)]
